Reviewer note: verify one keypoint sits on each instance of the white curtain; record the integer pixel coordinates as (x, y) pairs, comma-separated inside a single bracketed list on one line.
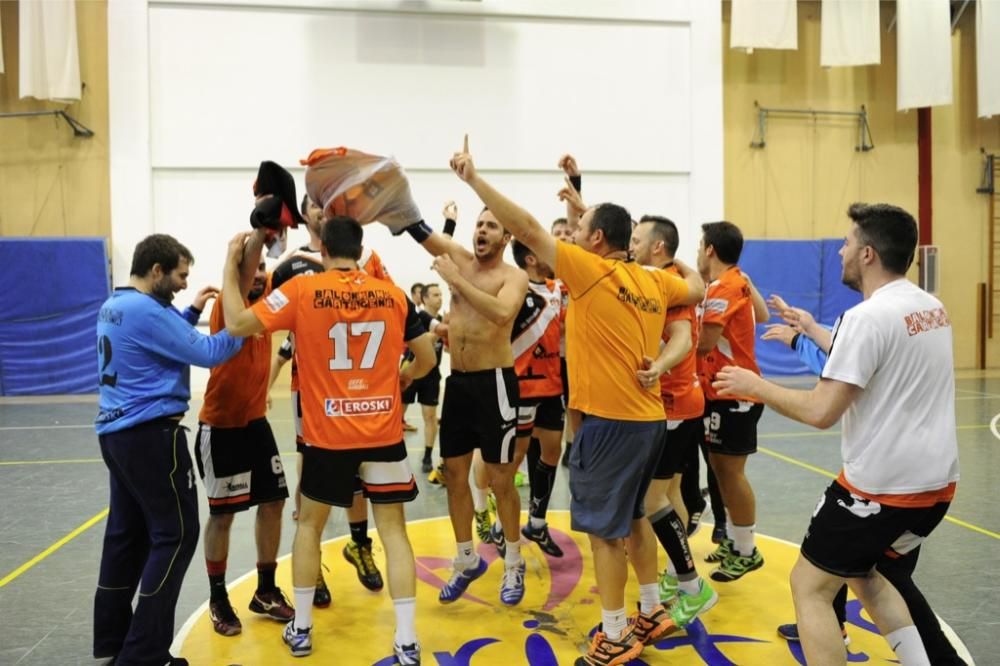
[(849, 33), (49, 56), (923, 53), (764, 24), (988, 57), (1, 42)]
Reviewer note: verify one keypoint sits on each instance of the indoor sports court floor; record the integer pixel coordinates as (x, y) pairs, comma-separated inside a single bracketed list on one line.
[(52, 523)]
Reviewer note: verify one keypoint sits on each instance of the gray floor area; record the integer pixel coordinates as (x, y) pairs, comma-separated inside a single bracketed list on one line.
[(54, 482)]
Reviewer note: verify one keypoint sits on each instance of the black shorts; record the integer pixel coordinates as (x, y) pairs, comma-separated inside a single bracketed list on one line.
[(426, 390), (545, 413), (848, 534), (480, 412), (300, 442), (731, 426), (678, 443), (330, 476), (240, 467), (565, 380)]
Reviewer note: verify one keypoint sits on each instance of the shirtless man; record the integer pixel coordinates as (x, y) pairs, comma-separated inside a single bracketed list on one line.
[(481, 394)]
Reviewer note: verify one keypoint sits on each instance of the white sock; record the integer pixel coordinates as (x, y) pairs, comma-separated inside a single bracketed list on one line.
[(466, 554), (671, 569), (537, 523), (614, 623), (478, 498), (742, 536), (649, 597), (513, 556), (406, 630), (303, 606), (497, 521), (906, 643), (690, 586)]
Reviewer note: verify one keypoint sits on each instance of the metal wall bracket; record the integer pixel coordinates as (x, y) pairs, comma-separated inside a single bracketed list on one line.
[(986, 183), (78, 128), (759, 140)]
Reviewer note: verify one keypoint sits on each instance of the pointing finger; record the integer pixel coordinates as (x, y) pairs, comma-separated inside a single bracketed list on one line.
[(465, 144)]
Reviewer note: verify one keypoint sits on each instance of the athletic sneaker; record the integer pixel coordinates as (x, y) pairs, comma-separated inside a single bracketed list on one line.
[(694, 523), (361, 558), (299, 641), (541, 536), (718, 534), (520, 478), (668, 587), (437, 476), (654, 626), (512, 585), (409, 428), (735, 566), (460, 580), (407, 655), (498, 539), (724, 550), (426, 465), (790, 632), (690, 606), (273, 604), (224, 618), (606, 652), (321, 596), (483, 526)]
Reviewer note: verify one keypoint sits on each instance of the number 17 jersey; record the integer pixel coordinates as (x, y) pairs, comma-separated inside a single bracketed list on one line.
[(350, 329)]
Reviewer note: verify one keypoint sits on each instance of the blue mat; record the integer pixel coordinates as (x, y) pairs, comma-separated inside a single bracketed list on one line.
[(47, 325)]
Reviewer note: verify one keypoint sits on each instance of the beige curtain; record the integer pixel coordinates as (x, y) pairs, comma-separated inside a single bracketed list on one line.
[(923, 53), (988, 58), (764, 24), (849, 33), (49, 56)]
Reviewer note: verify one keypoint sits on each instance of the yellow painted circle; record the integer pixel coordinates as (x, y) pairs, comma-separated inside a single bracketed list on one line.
[(548, 628)]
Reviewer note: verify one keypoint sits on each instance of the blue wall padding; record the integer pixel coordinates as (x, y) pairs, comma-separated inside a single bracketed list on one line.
[(48, 314), (836, 297), (791, 269)]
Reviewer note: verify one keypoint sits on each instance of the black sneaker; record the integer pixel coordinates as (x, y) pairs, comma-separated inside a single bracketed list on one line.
[(225, 622), (694, 523), (719, 534), (542, 537), (273, 604), (426, 466), (361, 558), (499, 540), (321, 596)]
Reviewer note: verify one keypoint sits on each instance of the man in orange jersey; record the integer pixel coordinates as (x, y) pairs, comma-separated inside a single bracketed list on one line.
[(307, 260), (727, 338), (890, 376), (682, 590), (540, 418), (616, 315), (480, 395), (238, 459), (350, 328)]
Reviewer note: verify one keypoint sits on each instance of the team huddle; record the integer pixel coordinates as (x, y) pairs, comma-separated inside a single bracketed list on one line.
[(597, 328)]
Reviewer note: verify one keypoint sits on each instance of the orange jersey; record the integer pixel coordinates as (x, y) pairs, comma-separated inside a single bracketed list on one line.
[(616, 316), (307, 262), (349, 332), (728, 304), (535, 341), (237, 389), (679, 389)]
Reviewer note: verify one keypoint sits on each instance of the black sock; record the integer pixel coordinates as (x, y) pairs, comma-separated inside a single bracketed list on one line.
[(533, 455), (359, 533), (840, 605), (265, 576), (672, 535), (427, 453), (541, 492), (217, 587)]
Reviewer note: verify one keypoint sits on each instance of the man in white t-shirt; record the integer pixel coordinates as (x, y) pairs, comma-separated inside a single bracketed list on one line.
[(890, 377)]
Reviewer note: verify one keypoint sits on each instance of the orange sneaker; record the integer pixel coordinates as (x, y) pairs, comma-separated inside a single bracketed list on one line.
[(606, 652), (652, 627)]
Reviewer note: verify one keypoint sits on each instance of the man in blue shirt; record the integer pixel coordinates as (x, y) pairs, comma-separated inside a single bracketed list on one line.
[(145, 348)]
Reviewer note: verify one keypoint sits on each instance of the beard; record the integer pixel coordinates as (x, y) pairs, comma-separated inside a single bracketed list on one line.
[(164, 289), (850, 281), (255, 293)]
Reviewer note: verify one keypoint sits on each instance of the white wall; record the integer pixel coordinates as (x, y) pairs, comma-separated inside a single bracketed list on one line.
[(202, 91)]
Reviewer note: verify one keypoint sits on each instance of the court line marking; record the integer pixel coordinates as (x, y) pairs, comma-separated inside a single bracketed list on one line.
[(830, 475), (54, 547)]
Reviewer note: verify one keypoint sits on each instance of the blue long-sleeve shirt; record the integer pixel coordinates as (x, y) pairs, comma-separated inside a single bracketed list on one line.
[(145, 351), (810, 353)]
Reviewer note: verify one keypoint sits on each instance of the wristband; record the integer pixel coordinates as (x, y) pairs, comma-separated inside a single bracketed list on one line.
[(449, 227), (795, 340), (420, 231), (576, 182)]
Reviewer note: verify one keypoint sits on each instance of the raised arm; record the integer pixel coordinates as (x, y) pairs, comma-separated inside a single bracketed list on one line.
[(519, 222), (760, 312), (820, 407), (499, 309), (251, 259), (240, 321), (175, 338), (671, 353), (696, 285)]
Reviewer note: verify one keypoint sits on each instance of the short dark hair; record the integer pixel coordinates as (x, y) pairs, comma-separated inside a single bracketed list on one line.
[(521, 252), (304, 206), (425, 289), (615, 222), (664, 230), (889, 230), (726, 238), (417, 286), (342, 237), (158, 249), (556, 222)]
